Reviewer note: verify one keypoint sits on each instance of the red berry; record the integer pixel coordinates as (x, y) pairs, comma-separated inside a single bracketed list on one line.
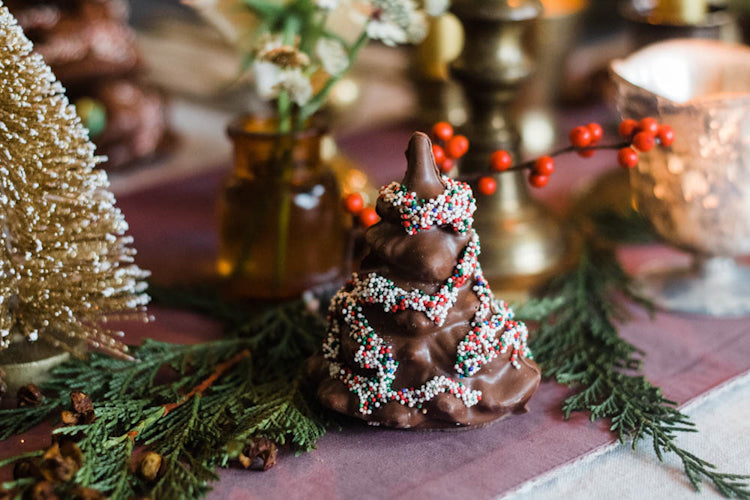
[(500, 160), (665, 135), (586, 153), (446, 166), (626, 128), (644, 141), (596, 132), (442, 130), (457, 146), (538, 181), (544, 166), (648, 125), (627, 157), (580, 137), (487, 185), (438, 153), (354, 203), (368, 217)]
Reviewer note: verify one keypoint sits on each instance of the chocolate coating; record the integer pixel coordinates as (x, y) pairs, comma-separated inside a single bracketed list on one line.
[(423, 349)]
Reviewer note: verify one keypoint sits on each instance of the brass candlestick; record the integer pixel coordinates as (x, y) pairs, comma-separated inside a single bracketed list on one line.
[(521, 242)]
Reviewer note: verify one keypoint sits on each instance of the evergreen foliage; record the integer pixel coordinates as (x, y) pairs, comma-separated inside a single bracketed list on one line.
[(578, 345), (196, 405)]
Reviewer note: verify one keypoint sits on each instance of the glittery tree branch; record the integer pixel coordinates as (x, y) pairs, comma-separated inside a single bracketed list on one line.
[(66, 265)]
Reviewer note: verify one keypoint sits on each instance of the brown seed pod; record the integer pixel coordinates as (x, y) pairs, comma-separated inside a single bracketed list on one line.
[(61, 461), (29, 395), (259, 454), (43, 490), (151, 466)]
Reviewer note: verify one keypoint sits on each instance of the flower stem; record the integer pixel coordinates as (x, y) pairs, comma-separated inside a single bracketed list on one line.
[(291, 28), (318, 99)]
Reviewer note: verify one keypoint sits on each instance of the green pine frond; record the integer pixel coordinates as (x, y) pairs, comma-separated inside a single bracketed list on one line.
[(145, 404), (577, 343)]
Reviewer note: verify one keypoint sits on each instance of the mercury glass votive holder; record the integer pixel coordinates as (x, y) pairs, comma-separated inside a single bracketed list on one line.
[(696, 194)]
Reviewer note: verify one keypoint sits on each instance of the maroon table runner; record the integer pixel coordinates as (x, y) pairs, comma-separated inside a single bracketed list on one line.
[(174, 230)]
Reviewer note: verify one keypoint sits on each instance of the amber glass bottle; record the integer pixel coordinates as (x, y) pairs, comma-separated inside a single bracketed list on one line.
[(282, 227)]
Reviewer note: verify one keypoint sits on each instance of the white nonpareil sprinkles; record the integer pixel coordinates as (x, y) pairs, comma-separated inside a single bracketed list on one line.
[(454, 207), (480, 346)]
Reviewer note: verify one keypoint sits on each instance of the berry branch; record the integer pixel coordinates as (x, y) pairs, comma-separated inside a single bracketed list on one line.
[(638, 136)]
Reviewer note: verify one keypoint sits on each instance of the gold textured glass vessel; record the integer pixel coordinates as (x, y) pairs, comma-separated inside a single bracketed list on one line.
[(281, 226), (696, 194)]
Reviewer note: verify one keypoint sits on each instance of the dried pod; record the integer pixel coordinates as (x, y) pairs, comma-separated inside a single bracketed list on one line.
[(69, 418), (70, 450), (43, 490), (29, 395), (60, 463), (151, 466), (81, 402), (28, 467), (81, 493), (259, 454), (83, 410)]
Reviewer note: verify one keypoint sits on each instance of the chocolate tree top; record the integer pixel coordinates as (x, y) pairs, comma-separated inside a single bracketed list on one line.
[(422, 174)]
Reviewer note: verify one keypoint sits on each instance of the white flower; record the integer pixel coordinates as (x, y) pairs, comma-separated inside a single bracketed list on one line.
[(332, 55), (270, 79), (436, 8), (267, 78), (396, 21), (327, 4), (386, 32), (266, 43), (417, 29), (297, 84)]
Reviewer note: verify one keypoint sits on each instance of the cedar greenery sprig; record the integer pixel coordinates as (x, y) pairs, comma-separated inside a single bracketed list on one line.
[(577, 344), (196, 405)]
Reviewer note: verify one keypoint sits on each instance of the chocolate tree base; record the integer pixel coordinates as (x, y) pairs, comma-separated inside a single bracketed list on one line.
[(513, 386)]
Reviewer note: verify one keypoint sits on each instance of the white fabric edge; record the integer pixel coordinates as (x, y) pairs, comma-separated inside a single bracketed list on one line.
[(560, 470)]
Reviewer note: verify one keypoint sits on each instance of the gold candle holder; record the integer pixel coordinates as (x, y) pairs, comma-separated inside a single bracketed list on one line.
[(522, 243)]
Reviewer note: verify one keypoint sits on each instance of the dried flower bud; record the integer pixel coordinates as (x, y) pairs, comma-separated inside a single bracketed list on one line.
[(151, 466), (259, 454), (286, 57), (43, 490), (69, 418), (28, 467), (61, 461), (81, 402), (81, 493), (29, 395), (83, 410)]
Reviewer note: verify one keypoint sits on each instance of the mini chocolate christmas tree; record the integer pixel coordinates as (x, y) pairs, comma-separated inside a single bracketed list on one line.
[(416, 338)]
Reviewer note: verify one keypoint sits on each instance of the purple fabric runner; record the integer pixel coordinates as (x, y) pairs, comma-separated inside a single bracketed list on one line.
[(174, 232)]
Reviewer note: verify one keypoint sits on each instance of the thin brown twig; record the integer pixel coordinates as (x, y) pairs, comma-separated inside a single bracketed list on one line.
[(200, 388), (197, 390)]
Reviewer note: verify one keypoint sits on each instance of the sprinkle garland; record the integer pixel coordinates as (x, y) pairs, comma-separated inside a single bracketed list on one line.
[(376, 289), (454, 207), (480, 346)]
